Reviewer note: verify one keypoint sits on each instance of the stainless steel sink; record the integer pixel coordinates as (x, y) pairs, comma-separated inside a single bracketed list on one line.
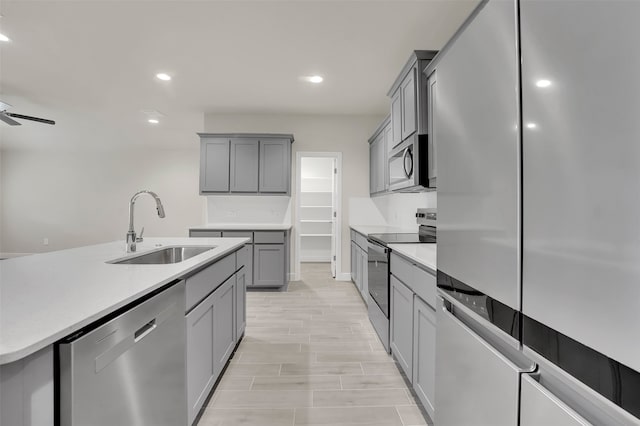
[(164, 255)]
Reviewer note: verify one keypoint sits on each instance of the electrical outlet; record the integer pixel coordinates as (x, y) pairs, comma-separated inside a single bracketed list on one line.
[(45, 241)]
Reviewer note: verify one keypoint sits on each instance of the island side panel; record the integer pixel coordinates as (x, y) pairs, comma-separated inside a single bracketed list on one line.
[(27, 390)]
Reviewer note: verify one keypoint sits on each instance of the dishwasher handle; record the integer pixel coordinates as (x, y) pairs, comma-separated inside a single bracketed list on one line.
[(145, 330)]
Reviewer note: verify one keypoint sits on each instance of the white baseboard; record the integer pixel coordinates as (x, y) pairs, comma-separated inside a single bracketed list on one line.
[(293, 276), (10, 255), (343, 276)]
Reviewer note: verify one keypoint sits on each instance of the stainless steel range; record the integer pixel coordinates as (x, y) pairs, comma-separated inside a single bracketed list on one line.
[(378, 255)]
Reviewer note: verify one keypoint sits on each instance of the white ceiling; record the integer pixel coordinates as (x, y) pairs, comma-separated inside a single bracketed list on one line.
[(90, 65)]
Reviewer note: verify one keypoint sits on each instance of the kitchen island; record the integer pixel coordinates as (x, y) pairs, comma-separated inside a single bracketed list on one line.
[(46, 297)]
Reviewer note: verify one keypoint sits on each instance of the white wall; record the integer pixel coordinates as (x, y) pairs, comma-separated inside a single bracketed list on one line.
[(80, 198), (315, 133)]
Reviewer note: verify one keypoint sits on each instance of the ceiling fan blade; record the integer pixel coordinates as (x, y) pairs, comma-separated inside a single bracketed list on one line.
[(8, 120), (28, 117), (4, 106)]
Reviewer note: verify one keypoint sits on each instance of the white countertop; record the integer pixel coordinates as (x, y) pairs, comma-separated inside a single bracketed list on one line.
[(424, 254), (243, 227), (377, 229), (45, 297)]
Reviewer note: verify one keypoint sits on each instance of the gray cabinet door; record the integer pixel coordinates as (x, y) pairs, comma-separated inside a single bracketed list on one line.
[(214, 165), (275, 165), (354, 262), (424, 353), (224, 309), (388, 141), (431, 129), (408, 102), (201, 370), (372, 168), (249, 266), (268, 265), (364, 284), (401, 325), (396, 119), (381, 160), (241, 302), (243, 175)]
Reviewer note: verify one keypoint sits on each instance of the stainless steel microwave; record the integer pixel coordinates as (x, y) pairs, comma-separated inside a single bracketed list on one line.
[(408, 166)]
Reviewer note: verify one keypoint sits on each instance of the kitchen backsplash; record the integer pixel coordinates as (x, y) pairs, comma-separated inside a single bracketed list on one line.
[(395, 209), (248, 209)]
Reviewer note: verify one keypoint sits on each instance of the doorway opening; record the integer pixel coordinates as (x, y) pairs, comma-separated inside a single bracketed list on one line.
[(318, 212)]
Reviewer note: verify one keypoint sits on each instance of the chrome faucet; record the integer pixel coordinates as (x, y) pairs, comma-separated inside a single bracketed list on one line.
[(131, 233)]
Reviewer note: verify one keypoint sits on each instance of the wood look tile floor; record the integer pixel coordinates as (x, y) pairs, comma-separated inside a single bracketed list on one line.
[(311, 357)]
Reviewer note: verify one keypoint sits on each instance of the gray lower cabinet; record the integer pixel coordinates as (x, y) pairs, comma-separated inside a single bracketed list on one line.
[(245, 163), (359, 265), (213, 329), (241, 302), (268, 265), (401, 325), (265, 257), (224, 320), (214, 165), (424, 354), (201, 367), (243, 173), (354, 262), (412, 326)]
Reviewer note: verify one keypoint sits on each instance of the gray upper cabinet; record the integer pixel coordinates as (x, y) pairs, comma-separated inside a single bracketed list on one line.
[(275, 165), (247, 163), (244, 165), (214, 165), (396, 120), (378, 144), (431, 128), (408, 96)]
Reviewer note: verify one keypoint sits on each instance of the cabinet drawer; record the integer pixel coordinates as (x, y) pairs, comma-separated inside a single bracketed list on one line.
[(238, 234), (402, 269), (204, 282), (205, 234), (361, 240), (269, 237), (424, 285), (417, 279)]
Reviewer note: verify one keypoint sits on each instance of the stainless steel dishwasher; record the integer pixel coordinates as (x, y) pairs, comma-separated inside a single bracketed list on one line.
[(129, 370)]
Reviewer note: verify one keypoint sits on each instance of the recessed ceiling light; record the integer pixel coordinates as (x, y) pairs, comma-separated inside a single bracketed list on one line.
[(153, 121), (543, 83), (4, 37), (164, 77), (531, 125), (312, 79)]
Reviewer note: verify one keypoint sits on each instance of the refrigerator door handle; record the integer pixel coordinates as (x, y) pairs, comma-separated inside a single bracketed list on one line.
[(492, 344), (533, 390)]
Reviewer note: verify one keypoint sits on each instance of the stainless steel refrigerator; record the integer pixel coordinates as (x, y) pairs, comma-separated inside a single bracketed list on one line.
[(581, 204), (478, 356), (537, 127)]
